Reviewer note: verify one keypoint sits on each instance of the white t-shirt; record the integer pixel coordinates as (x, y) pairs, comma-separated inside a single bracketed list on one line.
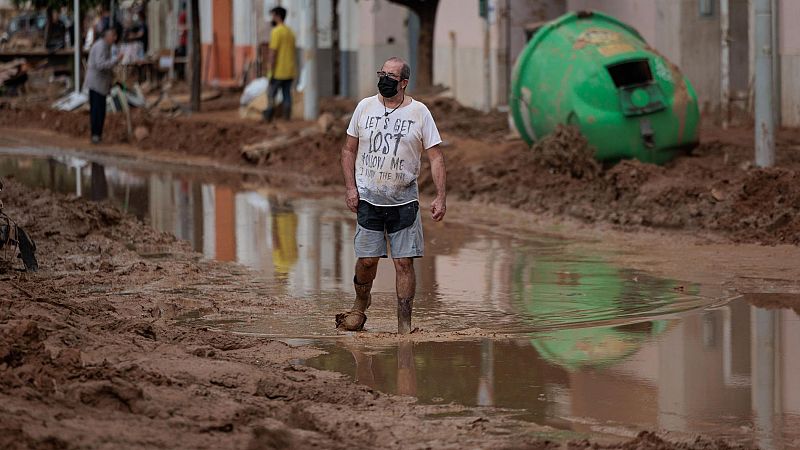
[(389, 150)]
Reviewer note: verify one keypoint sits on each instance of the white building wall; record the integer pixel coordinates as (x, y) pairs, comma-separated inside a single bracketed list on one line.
[(458, 51), (244, 22), (383, 34), (459, 41), (206, 23)]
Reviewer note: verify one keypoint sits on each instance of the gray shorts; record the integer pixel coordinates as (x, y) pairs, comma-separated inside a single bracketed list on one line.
[(400, 225)]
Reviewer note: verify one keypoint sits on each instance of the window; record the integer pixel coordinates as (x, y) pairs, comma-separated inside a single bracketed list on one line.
[(706, 8)]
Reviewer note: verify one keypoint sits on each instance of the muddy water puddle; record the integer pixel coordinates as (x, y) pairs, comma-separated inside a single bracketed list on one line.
[(529, 323), (302, 247), (727, 372)]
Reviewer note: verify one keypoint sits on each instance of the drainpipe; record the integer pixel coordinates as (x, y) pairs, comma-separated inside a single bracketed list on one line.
[(343, 11), (76, 43), (776, 62), (487, 77), (345, 47), (765, 114), (724, 63), (453, 63), (310, 94)]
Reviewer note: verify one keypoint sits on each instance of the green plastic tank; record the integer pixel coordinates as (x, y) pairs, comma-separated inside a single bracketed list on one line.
[(590, 70)]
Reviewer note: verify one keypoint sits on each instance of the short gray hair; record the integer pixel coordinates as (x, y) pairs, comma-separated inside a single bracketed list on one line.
[(405, 72)]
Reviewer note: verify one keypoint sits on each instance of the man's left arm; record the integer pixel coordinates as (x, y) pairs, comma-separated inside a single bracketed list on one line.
[(439, 174), (274, 44)]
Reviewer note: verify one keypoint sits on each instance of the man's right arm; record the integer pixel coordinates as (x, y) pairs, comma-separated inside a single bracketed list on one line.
[(349, 153)]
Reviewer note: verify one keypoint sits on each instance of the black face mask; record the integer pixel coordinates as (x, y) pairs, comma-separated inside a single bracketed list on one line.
[(274, 23), (387, 87)]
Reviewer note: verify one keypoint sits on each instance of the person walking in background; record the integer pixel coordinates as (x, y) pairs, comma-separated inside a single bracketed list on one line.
[(281, 64), (55, 32), (98, 80)]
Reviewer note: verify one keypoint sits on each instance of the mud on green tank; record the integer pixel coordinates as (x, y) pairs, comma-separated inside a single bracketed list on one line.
[(590, 70)]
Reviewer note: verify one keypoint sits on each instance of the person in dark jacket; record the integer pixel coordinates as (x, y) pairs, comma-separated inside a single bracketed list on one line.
[(98, 80), (55, 32)]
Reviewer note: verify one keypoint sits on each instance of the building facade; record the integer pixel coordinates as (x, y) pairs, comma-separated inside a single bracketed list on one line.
[(355, 36)]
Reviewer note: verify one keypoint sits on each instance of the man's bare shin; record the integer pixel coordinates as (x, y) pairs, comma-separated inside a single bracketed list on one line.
[(406, 286), (366, 268)]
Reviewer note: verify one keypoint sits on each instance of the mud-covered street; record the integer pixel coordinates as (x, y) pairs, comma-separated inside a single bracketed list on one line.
[(99, 348), (399, 224), (208, 334), (95, 352)]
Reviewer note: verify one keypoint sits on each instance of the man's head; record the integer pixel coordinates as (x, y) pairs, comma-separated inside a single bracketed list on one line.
[(393, 77), (110, 35), (278, 15)]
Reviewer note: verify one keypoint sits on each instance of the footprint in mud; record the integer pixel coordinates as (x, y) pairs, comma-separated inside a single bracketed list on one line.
[(117, 395)]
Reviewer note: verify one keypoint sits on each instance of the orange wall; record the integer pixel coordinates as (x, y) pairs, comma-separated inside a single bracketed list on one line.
[(220, 53), (225, 220), (242, 53)]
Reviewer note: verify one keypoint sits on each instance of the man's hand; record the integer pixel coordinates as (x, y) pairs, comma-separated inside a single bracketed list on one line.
[(438, 208), (352, 199)]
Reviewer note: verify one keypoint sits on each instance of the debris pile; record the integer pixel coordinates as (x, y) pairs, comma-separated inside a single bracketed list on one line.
[(566, 151), (13, 76), (13, 239)]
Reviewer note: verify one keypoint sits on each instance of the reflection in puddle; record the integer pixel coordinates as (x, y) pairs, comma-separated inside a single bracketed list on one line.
[(701, 372), (302, 245)]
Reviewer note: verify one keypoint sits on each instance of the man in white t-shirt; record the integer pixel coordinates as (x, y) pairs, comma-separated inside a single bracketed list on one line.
[(380, 160)]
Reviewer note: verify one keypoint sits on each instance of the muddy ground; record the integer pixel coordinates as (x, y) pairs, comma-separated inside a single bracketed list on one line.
[(713, 191), (94, 353)]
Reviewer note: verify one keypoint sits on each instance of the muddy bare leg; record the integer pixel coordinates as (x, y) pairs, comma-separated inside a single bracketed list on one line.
[(366, 268), (406, 285)]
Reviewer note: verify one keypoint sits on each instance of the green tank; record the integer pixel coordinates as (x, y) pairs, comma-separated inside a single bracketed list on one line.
[(590, 70)]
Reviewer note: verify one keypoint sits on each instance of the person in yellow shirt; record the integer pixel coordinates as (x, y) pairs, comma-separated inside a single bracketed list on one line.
[(281, 64)]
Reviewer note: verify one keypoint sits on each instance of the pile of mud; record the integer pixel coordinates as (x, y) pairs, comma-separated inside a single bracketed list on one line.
[(714, 189), (220, 141), (96, 350), (566, 151), (462, 121)]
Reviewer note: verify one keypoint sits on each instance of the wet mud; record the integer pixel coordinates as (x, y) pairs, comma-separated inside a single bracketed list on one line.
[(713, 190), (95, 350)]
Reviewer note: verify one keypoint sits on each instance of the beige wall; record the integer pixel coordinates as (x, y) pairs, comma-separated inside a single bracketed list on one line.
[(383, 33), (640, 14), (458, 51), (700, 52), (458, 45), (789, 45)]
